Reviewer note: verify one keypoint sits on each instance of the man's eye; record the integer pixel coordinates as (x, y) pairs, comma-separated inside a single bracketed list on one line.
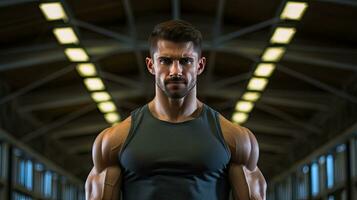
[(165, 61), (186, 61)]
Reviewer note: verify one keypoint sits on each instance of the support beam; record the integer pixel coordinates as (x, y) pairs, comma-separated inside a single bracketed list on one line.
[(216, 32), (37, 84), (133, 32), (275, 129), (321, 62), (294, 103), (176, 9), (70, 96), (341, 2), (122, 80), (5, 3), (248, 30), (219, 84), (103, 48), (317, 83), (45, 129), (48, 99), (286, 117), (114, 35)]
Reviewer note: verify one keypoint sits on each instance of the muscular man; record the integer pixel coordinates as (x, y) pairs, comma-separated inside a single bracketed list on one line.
[(175, 147)]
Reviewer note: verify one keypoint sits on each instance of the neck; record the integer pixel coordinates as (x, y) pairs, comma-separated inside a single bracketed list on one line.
[(175, 110)]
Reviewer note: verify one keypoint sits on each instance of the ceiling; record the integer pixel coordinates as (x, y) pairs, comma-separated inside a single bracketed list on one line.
[(311, 97)]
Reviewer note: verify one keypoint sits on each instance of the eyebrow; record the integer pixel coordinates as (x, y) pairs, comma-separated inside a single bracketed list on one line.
[(174, 57)]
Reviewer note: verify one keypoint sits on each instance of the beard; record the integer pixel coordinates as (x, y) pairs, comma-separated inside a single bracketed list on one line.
[(176, 91)]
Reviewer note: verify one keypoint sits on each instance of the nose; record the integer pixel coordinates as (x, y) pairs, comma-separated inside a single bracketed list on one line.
[(176, 68)]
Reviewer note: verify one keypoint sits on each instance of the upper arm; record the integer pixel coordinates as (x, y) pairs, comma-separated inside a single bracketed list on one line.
[(108, 144), (102, 182), (242, 144), (247, 180)]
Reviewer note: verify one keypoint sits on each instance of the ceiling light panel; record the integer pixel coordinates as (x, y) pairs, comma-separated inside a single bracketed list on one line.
[(244, 106), (86, 69), (76, 54), (100, 96), (239, 117), (106, 107), (273, 54), (264, 69), (53, 11), (251, 96), (258, 84), (65, 35), (112, 117), (94, 84), (294, 10), (283, 35)]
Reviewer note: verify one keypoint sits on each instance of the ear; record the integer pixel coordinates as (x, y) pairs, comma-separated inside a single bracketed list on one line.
[(150, 65), (201, 65)]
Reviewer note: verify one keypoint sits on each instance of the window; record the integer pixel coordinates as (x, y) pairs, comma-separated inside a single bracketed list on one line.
[(284, 189), (19, 196), (23, 170), (354, 157), (330, 171), (270, 192), (2, 160), (322, 173), (68, 191), (315, 179), (48, 184), (302, 183), (340, 164), (38, 174), (4, 157)]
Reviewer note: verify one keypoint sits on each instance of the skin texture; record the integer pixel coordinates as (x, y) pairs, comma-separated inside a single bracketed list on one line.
[(176, 67)]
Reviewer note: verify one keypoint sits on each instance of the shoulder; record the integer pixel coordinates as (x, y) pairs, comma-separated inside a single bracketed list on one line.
[(108, 143), (241, 142)]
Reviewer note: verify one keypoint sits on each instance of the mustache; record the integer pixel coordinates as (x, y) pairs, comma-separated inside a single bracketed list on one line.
[(175, 79)]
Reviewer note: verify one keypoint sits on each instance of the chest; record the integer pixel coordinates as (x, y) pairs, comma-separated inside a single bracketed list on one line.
[(182, 149)]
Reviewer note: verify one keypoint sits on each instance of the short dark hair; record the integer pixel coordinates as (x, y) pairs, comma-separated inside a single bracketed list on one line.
[(175, 31)]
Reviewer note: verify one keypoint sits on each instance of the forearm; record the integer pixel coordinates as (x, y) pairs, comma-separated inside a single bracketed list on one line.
[(104, 185), (246, 184)]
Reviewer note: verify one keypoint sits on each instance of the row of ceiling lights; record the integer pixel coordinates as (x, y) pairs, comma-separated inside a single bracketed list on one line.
[(66, 36), (257, 84), (281, 37)]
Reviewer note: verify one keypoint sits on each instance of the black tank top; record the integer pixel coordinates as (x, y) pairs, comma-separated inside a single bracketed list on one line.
[(161, 160)]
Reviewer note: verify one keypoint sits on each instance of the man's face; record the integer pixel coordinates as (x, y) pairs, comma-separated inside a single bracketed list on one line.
[(175, 66)]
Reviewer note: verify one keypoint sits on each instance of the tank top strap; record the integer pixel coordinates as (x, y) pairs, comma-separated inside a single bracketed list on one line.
[(212, 117), (136, 118)]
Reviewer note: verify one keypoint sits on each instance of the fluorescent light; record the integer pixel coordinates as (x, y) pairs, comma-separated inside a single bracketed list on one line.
[(293, 10), (251, 96), (65, 35), (76, 54), (264, 69), (257, 84), (112, 117), (283, 35), (86, 69), (53, 11), (106, 107), (239, 117), (273, 54), (100, 96), (93, 84), (244, 106)]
